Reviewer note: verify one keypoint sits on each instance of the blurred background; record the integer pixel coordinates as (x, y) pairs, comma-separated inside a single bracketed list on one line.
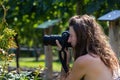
[(32, 19)]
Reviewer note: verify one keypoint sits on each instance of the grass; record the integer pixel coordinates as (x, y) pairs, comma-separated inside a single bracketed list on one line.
[(31, 63)]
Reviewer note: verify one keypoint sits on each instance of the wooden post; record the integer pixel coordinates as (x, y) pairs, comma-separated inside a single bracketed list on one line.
[(114, 29), (114, 35), (47, 26), (48, 58)]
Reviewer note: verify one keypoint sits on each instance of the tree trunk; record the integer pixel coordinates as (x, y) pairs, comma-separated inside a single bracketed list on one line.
[(37, 53), (17, 53)]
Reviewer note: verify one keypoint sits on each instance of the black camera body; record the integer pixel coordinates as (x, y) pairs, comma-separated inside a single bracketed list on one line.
[(63, 39)]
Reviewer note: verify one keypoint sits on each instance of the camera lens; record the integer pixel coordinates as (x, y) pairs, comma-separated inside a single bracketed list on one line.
[(51, 39)]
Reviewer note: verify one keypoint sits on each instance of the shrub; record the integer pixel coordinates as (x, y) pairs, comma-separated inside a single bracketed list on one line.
[(7, 42)]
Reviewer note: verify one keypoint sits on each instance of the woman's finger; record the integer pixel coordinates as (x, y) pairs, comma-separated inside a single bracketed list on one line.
[(58, 44)]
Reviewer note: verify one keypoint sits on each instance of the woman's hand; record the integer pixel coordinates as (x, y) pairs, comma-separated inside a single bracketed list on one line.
[(63, 73), (58, 44), (67, 52)]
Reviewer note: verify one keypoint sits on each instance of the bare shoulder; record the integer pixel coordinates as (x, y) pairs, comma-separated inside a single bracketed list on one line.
[(92, 67), (86, 60)]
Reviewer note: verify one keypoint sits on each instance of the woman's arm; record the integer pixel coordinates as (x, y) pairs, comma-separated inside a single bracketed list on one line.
[(78, 71)]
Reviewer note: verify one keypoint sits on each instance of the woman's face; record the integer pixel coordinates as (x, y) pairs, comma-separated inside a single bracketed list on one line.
[(72, 38)]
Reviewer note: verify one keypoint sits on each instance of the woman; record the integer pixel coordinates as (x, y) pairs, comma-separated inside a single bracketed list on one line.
[(93, 57)]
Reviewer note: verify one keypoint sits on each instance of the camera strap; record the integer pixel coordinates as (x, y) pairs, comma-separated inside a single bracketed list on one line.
[(63, 59)]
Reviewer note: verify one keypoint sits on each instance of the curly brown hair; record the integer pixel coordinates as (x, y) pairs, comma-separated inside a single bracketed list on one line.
[(92, 40)]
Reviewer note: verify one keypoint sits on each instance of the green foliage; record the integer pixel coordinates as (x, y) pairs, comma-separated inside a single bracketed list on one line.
[(7, 39), (6, 58), (25, 15), (7, 42), (24, 75), (100, 7), (6, 34), (14, 75)]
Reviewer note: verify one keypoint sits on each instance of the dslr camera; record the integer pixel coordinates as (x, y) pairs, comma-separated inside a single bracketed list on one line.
[(63, 39)]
